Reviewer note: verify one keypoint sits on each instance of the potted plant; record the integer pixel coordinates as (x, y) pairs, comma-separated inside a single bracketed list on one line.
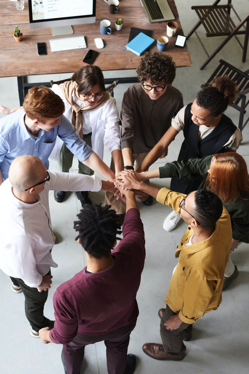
[(119, 23), (17, 34)]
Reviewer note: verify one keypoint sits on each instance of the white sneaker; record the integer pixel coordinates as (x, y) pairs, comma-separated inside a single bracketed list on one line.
[(171, 221)]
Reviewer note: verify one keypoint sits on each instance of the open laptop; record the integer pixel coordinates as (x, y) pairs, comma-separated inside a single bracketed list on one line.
[(157, 10)]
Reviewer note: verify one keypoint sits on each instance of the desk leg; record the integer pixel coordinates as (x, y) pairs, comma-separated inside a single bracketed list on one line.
[(21, 90)]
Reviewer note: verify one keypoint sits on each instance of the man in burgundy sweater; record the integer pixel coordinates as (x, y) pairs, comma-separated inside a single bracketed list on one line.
[(99, 303)]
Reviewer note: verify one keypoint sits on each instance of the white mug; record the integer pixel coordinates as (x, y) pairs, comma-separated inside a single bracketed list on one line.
[(171, 28)]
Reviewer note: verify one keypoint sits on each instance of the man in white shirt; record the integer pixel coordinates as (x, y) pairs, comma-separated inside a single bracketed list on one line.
[(26, 237)]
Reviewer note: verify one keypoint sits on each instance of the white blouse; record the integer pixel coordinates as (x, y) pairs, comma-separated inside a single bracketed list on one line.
[(102, 122)]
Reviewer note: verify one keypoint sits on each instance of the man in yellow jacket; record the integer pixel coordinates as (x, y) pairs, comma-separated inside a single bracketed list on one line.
[(196, 284)]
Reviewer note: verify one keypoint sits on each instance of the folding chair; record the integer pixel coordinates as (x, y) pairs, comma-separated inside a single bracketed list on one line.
[(242, 80), (217, 21), (109, 88)]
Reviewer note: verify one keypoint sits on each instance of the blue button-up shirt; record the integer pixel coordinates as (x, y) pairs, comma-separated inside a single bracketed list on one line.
[(15, 140)]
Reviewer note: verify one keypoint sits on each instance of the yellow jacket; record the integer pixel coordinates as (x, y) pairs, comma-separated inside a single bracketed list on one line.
[(196, 285)]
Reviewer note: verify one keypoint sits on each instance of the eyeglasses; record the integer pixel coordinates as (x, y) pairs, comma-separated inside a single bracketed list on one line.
[(182, 206), (90, 96), (148, 87), (37, 184)]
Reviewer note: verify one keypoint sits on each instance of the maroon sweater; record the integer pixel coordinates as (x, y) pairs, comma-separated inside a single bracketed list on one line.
[(103, 302)]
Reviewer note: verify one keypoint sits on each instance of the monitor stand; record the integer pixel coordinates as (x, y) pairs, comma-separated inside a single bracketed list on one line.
[(63, 30)]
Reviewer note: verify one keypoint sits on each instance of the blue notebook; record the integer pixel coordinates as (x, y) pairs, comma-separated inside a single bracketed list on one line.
[(140, 43)]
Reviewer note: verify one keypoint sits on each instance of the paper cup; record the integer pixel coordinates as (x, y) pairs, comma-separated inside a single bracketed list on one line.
[(171, 28), (162, 43)]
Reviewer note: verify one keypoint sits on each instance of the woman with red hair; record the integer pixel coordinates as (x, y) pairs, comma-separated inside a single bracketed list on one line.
[(226, 175)]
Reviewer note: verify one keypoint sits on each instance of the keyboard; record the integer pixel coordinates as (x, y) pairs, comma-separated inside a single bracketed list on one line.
[(66, 44), (154, 10)]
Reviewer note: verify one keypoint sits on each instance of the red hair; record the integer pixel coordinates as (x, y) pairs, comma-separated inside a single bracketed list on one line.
[(228, 176)]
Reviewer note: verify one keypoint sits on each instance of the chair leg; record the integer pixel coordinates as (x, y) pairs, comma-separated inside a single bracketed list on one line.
[(242, 111), (246, 41), (227, 40)]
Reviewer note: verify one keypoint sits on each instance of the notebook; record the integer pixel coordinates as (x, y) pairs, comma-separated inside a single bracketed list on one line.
[(135, 31), (140, 43)]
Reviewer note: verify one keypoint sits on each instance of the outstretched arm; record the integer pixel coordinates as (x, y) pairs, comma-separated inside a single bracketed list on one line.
[(159, 149), (94, 162), (5, 110)]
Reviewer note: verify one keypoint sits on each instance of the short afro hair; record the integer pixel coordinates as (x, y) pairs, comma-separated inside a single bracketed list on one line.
[(156, 67), (208, 208), (98, 229)]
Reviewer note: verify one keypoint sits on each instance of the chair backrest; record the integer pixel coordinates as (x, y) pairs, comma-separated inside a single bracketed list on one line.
[(109, 88), (239, 77)]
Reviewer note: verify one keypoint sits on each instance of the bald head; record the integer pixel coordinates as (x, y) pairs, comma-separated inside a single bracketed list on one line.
[(25, 171)]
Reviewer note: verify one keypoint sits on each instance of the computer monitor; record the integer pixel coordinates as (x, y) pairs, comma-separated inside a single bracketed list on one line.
[(60, 13)]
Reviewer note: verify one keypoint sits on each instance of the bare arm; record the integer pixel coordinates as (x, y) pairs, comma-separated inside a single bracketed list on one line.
[(1, 177), (5, 110), (117, 159), (94, 162), (130, 199), (127, 156), (159, 149)]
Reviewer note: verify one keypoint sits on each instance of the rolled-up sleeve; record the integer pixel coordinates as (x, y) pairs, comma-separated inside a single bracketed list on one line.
[(170, 198), (127, 122), (67, 133)]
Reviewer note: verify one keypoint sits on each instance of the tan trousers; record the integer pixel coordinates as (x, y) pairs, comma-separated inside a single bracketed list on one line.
[(110, 199)]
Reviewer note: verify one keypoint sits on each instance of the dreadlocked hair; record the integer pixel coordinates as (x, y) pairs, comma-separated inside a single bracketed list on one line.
[(98, 229)]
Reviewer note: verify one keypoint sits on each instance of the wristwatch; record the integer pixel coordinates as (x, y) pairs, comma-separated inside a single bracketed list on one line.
[(128, 168)]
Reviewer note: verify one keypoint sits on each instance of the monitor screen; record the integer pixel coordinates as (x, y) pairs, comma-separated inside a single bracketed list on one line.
[(53, 13)]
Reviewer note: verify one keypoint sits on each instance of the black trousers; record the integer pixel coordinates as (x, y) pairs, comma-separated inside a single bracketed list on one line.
[(116, 350), (34, 304), (173, 339)]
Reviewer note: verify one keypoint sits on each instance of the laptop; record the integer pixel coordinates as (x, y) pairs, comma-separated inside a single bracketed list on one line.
[(157, 10)]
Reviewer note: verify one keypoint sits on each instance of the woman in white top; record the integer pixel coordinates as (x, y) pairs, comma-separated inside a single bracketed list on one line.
[(94, 114)]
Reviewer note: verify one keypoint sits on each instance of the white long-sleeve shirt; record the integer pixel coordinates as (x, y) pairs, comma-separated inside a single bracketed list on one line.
[(102, 122), (26, 236)]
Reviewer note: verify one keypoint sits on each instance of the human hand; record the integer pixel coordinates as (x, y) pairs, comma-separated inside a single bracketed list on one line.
[(45, 284), (128, 179), (234, 244), (44, 335), (4, 110), (173, 323)]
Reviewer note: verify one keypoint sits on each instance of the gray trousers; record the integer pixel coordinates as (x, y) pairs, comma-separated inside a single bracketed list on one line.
[(173, 339)]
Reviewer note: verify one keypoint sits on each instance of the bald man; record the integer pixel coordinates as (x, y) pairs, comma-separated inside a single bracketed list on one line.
[(26, 237)]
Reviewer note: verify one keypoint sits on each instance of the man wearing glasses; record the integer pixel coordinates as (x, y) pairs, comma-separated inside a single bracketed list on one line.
[(26, 237), (148, 108), (196, 284)]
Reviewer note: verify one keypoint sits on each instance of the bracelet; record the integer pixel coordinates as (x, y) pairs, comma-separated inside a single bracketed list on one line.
[(128, 168)]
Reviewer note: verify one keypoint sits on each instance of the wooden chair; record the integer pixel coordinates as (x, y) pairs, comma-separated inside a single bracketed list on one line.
[(217, 21), (242, 80), (109, 88)]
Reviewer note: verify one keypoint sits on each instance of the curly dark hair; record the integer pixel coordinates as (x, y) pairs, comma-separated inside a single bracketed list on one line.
[(217, 97), (208, 208), (98, 229), (156, 67), (87, 77)]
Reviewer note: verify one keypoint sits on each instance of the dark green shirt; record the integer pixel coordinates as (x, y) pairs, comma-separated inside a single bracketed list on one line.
[(237, 208)]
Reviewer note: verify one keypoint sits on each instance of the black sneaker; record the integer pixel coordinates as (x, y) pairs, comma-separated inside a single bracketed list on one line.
[(130, 364), (148, 201), (59, 196), (83, 198)]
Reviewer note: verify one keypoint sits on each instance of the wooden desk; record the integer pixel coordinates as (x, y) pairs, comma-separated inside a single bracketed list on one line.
[(21, 59)]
